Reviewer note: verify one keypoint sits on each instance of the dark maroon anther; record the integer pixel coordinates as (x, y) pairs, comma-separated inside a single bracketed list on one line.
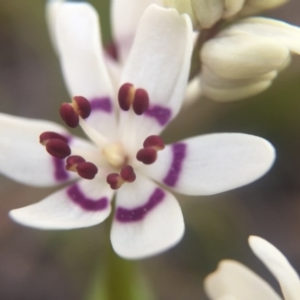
[(46, 136), (147, 155), (114, 180), (154, 141), (87, 170), (82, 106), (73, 161), (69, 115), (127, 173), (140, 101), (58, 148), (125, 96)]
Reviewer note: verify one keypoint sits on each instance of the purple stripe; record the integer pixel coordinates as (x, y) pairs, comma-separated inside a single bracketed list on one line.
[(179, 153), (60, 173), (161, 114), (138, 213), (103, 104), (85, 203)]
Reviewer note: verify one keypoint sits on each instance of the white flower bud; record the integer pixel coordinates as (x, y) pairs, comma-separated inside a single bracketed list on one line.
[(205, 13), (208, 12), (243, 59), (243, 56)]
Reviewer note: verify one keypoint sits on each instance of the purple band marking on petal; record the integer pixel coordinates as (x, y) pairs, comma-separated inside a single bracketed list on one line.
[(138, 213), (60, 173), (103, 104), (179, 153), (85, 203), (160, 113)]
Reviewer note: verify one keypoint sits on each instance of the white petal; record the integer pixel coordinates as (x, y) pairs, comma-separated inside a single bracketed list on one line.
[(232, 280), (114, 69), (212, 163), (23, 158), (148, 220), (83, 204), (282, 32), (84, 69), (125, 19), (52, 7), (159, 63), (280, 267)]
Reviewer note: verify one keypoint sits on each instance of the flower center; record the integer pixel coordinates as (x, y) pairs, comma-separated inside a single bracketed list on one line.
[(114, 155)]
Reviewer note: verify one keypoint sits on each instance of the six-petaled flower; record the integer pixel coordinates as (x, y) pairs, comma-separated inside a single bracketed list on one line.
[(126, 153)]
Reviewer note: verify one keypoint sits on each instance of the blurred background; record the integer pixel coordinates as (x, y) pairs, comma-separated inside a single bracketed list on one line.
[(52, 265)]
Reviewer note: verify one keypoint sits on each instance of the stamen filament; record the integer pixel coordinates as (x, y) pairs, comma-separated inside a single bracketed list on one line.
[(93, 134)]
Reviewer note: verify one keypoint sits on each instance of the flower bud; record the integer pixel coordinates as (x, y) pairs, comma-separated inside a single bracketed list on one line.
[(242, 60), (243, 56), (205, 13)]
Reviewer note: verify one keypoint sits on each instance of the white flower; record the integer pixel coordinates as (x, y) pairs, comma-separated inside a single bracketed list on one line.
[(206, 13), (233, 280), (243, 59), (126, 152), (125, 16)]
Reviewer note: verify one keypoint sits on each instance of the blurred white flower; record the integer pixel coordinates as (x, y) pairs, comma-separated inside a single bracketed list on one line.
[(206, 13), (233, 280), (243, 59), (126, 153)]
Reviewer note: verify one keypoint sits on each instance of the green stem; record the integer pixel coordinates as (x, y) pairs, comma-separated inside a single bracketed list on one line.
[(120, 277), (116, 278)]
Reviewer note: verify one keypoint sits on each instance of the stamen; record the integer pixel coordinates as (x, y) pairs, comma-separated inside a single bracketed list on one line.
[(126, 95), (137, 98), (82, 106), (116, 180), (73, 161), (152, 144), (86, 170), (140, 101), (154, 141), (147, 155), (46, 136), (58, 148), (70, 112), (127, 173)]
